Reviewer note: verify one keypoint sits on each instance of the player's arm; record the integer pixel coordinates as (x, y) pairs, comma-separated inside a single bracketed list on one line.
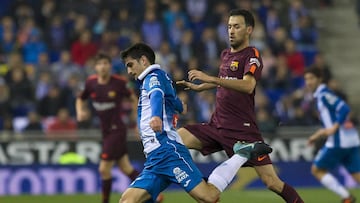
[(156, 103), (80, 106), (196, 87), (246, 85)]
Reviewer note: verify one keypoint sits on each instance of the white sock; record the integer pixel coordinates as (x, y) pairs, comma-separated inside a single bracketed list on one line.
[(223, 174), (330, 182)]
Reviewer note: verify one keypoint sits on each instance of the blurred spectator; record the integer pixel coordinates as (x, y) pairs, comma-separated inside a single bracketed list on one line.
[(83, 48), (4, 100), (165, 56), (8, 43), (176, 22), (124, 25), (21, 92), (70, 92), (185, 50), (258, 35), (151, 30), (209, 48), (102, 22), (43, 85), (279, 78), (62, 125), (56, 35), (272, 22), (305, 33), (295, 59), (205, 102), (51, 103), (34, 123), (265, 121), (268, 62), (33, 47), (64, 68), (296, 11), (319, 62), (277, 42)]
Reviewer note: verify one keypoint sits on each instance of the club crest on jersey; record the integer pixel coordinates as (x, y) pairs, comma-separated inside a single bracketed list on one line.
[(111, 94), (234, 65)]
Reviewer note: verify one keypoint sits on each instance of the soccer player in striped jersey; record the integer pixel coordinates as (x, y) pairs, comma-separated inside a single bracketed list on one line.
[(167, 159), (342, 146)]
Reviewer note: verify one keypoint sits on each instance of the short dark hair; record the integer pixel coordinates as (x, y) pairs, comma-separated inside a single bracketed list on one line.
[(101, 55), (317, 72), (249, 18), (138, 50)]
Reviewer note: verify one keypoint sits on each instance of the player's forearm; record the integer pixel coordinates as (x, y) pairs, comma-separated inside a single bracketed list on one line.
[(79, 105), (206, 86), (244, 86)]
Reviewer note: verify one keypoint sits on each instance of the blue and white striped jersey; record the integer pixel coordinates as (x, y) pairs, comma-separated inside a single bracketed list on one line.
[(157, 98), (333, 110)]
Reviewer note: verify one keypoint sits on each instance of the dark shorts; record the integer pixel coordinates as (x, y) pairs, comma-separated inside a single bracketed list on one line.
[(217, 139), (114, 145)]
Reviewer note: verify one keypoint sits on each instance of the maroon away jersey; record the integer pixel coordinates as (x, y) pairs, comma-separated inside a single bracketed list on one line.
[(235, 110), (106, 100)]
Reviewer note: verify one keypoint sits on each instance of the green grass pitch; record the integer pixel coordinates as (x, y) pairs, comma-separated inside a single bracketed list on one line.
[(318, 195)]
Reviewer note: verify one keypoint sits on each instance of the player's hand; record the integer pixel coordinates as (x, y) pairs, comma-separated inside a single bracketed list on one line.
[(188, 85), (316, 136), (199, 75), (156, 124)]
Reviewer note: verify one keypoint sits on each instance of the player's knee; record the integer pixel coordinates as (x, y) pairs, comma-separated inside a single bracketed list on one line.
[(105, 172)]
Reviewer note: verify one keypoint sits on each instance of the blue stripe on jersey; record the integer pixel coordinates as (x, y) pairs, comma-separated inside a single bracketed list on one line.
[(157, 97)]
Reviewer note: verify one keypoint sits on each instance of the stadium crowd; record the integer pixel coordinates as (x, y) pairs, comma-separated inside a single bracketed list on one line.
[(46, 50)]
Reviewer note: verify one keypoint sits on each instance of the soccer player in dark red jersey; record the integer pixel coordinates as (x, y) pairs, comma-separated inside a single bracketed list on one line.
[(107, 92), (234, 116)]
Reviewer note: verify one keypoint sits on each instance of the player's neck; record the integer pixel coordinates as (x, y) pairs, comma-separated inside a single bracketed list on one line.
[(104, 79), (239, 48)]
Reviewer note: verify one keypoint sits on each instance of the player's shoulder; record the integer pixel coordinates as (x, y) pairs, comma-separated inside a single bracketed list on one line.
[(92, 78), (252, 51), (119, 78)]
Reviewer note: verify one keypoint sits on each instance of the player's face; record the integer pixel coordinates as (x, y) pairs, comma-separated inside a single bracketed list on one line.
[(134, 67), (311, 81), (238, 31), (103, 67)]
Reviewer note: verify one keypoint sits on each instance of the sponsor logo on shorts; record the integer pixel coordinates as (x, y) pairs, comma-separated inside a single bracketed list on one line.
[(187, 183), (260, 158), (180, 175)]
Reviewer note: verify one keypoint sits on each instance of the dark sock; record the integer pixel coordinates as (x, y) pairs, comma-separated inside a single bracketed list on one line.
[(106, 190), (290, 195), (133, 175)]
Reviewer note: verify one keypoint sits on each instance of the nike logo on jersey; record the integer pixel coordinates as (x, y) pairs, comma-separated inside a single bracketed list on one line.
[(260, 158)]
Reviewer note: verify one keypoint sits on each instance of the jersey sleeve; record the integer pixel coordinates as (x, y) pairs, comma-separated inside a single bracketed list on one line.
[(253, 64), (155, 90)]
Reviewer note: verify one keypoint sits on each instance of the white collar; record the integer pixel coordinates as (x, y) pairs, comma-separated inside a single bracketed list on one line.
[(319, 89), (148, 70)]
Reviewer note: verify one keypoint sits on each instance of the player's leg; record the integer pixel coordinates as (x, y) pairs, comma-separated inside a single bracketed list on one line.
[(272, 181), (223, 174), (126, 167), (134, 195), (205, 193), (326, 159), (106, 179), (190, 141)]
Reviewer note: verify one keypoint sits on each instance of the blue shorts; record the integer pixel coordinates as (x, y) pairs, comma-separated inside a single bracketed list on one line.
[(329, 158), (170, 163)]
